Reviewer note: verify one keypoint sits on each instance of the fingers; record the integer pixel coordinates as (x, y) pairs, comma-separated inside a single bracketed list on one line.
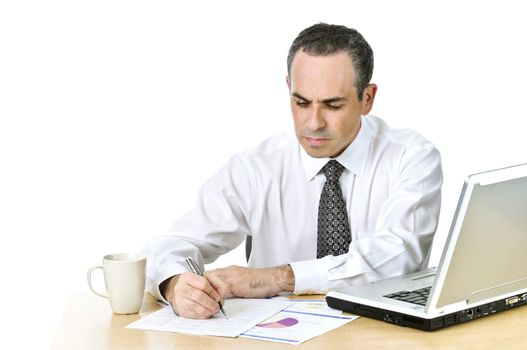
[(195, 297), (220, 288)]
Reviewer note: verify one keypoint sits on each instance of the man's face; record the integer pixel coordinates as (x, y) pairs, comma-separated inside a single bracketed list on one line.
[(326, 109)]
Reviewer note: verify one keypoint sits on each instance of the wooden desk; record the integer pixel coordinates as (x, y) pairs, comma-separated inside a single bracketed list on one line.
[(88, 323)]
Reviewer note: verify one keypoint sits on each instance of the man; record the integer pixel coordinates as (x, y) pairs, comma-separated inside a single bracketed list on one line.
[(347, 201)]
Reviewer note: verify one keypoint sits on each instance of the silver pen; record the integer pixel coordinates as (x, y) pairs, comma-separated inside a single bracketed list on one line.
[(195, 269)]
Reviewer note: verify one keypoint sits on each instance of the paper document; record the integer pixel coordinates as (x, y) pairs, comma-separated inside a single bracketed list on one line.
[(243, 314), (301, 321)]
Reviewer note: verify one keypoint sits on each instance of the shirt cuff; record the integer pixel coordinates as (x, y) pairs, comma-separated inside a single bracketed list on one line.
[(310, 277)]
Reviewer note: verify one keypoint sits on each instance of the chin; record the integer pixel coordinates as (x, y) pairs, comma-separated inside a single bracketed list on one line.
[(316, 152)]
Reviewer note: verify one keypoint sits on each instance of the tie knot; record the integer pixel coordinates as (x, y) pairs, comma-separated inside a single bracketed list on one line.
[(332, 170)]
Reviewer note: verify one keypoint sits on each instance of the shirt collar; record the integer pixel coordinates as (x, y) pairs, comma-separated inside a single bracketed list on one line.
[(353, 158)]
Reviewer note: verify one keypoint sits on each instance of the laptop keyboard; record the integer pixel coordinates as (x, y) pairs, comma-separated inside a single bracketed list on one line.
[(418, 296)]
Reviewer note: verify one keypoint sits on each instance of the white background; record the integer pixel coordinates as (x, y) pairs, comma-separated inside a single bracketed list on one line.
[(113, 113)]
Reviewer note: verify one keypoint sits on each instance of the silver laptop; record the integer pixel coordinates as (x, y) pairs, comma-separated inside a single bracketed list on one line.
[(482, 271)]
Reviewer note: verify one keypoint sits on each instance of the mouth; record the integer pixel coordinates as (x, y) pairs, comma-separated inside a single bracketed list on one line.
[(313, 141)]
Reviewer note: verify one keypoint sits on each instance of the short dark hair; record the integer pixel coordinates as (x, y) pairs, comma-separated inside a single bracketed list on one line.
[(326, 39)]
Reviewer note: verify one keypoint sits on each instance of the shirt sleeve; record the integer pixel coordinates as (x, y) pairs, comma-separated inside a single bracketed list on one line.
[(401, 241), (216, 225)]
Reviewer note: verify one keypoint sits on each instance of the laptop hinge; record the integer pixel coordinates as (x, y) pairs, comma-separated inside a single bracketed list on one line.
[(451, 307)]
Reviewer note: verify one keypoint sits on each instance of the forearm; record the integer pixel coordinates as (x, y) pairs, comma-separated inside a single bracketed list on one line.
[(257, 283), (278, 279)]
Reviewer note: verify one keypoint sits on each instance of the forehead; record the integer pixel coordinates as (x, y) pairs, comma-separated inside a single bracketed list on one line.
[(322, 76)]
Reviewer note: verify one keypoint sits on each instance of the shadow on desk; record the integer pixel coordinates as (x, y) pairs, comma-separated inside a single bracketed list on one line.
[(88, 323)]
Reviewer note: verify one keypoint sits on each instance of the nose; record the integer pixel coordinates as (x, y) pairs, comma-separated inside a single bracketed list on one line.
[(316, 119)]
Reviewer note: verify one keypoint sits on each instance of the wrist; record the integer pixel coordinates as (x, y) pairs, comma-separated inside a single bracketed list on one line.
[(166, 288), (286, 278)]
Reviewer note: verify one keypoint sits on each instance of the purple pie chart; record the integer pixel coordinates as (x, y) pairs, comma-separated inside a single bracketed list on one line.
[(285, 322)]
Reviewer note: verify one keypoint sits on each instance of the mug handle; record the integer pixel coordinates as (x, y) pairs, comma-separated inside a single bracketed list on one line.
[(89, 281)]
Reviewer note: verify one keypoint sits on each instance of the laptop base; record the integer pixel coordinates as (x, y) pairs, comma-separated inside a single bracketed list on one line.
[(427, 324)]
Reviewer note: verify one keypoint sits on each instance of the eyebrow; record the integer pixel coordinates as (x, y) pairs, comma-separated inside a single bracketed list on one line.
[(325, 101)]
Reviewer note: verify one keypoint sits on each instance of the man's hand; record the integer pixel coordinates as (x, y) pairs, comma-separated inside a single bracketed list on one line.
[(194, 296), (256, 283)]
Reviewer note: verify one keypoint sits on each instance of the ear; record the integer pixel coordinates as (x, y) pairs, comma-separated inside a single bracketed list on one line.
[(288, 82), (368, 96)]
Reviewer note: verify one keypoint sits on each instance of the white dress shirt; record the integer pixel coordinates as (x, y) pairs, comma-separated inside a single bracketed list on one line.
[(391, 184)]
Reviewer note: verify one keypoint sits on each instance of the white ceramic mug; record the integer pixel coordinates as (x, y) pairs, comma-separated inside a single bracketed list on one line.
[(124, 276)]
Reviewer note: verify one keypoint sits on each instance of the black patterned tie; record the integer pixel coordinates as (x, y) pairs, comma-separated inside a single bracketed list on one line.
[(334, 233)]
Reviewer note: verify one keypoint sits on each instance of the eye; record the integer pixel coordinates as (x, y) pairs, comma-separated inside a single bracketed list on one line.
[(334, 107), (301, 103)]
